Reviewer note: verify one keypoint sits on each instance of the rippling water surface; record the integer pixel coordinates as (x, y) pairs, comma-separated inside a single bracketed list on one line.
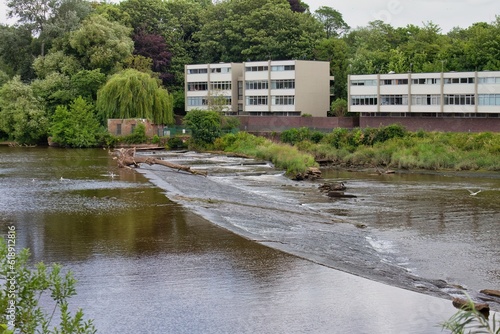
[(147, 264)]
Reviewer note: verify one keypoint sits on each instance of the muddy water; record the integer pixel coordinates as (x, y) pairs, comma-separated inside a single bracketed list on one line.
[(147, 264)]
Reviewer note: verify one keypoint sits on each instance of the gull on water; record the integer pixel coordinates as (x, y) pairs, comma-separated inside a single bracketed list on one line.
[(474, 193)]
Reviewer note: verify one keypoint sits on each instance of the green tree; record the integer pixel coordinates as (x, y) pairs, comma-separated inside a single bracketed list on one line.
[(76, 126), (86, 83), (335, 51), (205, 126), (332, 21), (338, 108), (54, 90), (134, 94), (56, 61), (102, 44), (256, 30), (30, 286), (16, 51), (22, 116)]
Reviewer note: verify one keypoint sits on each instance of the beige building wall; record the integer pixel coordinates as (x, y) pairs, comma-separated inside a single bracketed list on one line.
[(312, 87)]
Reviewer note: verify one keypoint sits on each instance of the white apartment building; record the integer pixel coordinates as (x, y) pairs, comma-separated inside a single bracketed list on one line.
[(446, 94), (277, 88)]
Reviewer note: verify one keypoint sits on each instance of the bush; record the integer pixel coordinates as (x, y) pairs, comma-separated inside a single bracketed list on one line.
[(176, 143), (138, 136), (31, 285), (205, 126)]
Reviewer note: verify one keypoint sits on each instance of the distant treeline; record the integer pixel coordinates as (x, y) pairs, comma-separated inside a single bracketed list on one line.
[(64, 49)]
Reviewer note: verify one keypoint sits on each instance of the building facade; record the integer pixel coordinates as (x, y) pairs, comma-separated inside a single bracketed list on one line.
[(264, 88), (438, 95)]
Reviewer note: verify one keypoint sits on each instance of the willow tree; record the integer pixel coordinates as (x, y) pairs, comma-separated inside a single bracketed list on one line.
[(134, 94)]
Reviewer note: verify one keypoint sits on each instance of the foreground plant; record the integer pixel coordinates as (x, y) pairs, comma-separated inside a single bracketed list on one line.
[(22, 289), (469, 320)]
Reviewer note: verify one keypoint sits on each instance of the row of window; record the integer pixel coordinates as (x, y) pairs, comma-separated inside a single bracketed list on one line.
[(459, 99), (363, 82), (489, 80), (212, 70), (422, 99), (275, 100), (458, 80), (205, 101), (425, 81), (250, 85), (273, 68)]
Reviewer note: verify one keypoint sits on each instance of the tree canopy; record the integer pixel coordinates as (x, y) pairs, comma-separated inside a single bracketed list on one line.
[(62, 49), (134, 94)]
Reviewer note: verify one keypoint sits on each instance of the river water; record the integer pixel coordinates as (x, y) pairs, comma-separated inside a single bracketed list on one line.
[(154, 251)]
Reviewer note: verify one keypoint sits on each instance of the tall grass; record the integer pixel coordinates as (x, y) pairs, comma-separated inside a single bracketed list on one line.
[(283, 156), (393, 146)]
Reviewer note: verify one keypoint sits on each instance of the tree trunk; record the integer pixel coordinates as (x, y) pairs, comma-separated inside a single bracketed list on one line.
[(126, 158)]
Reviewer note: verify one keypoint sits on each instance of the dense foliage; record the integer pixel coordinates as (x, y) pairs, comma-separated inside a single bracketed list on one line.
[(63, 49)]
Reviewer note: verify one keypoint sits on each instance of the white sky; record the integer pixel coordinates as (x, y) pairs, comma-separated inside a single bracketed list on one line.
[(399, 13)]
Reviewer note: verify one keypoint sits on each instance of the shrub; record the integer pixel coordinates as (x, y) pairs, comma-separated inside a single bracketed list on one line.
[(138, 136), (32, 284), (205, 126), (176, 143)]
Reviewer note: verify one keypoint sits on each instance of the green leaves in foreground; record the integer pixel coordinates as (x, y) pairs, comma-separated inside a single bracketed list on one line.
[(31, 286), (470, 320)]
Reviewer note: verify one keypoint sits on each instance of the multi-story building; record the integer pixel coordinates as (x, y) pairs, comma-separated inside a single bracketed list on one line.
[(277, 88), (438, 95)]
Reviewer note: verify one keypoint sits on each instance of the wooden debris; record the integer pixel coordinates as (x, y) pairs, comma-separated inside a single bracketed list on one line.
[(464, 304), (126, 158)]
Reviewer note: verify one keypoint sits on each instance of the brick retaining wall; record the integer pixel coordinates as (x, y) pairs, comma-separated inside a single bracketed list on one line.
[(435, 124)]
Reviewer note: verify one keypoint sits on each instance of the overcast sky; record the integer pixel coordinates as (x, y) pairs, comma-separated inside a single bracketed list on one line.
[(399, 13)]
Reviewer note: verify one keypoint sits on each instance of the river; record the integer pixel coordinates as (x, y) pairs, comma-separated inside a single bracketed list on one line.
[(154, 251)]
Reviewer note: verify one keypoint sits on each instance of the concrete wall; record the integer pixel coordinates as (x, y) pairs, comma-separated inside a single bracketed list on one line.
[(278, 123), (446, 124)]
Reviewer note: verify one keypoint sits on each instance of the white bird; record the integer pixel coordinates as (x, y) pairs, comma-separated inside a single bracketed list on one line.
[(472, 193), (112, 175), (61, 178)]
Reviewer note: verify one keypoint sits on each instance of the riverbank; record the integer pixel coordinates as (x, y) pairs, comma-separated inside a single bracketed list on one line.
[(275, 213)]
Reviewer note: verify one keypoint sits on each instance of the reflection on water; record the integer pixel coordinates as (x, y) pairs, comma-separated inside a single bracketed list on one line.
[(146, 265)]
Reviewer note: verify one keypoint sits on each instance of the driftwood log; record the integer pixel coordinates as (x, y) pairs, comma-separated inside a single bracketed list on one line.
[(126, 158)]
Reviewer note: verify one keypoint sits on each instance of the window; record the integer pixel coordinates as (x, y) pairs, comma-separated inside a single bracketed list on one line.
[(394, 99), (256, 100), (361, 100), (401, 81), (195, 86), (283, 68), (197, 101), (363, 82), (425, 81), (283, 84), (489, 80), (118, 129), (257, 84), (425, 100), (459, 80), (197, 70), (256, 68), (220, 70), (489, 99), (220, 85), (459, 99), (240, 90), (283, 100)]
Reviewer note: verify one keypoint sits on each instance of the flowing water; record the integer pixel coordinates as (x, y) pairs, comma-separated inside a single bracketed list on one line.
[(148, 261)]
